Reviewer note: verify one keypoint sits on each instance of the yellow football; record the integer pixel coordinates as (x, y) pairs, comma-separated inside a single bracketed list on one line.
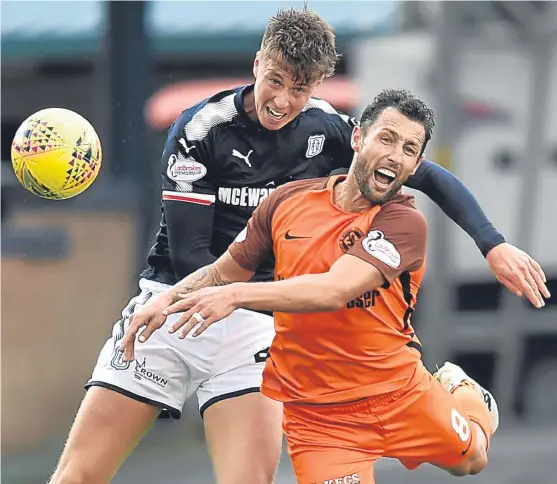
[(56, 154)]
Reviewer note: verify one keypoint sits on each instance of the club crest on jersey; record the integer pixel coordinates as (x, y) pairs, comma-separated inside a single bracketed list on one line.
[(185, 169), (377, 246), (348, 239), (315, 145)]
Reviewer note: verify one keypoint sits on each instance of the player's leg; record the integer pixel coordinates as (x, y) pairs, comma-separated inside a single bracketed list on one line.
[(244, 437), (332, 444), (332, 466), (123, 400), (428, 424), (242, 426), (107, 427), (482, 415)]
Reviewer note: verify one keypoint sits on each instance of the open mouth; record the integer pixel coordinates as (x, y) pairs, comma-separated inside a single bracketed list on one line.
[(275, 114), (384, 177)]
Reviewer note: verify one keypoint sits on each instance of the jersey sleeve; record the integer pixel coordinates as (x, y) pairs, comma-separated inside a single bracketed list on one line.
[(396, 241), (456, 201), (255, 243), (188, 199)]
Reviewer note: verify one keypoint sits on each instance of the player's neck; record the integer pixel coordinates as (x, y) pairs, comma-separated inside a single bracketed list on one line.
[(249, 105), (347, 197)]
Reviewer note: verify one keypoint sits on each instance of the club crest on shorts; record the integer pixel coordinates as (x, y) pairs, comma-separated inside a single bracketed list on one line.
[(315, 145), (377, 246), (117, 362)]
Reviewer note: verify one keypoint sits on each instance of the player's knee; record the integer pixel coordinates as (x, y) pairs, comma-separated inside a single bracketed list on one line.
[(478, 464), (475, 464)]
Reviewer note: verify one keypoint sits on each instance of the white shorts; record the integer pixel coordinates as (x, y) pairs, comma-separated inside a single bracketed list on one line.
[(226, 361)]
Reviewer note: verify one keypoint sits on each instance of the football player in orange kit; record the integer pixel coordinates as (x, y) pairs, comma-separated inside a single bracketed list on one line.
[(345, 361)]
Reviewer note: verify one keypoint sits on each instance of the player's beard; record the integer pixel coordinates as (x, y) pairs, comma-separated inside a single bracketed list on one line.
[(363, 177)]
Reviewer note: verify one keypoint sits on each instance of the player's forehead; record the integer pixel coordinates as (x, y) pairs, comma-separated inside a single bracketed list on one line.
[(394, 121), (273, 65)]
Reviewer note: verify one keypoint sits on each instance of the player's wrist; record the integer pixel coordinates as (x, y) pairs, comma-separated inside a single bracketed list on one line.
[(496, 241), (235, 293)]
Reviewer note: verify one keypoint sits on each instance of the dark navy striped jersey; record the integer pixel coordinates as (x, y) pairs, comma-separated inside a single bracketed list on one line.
[(218, 164)]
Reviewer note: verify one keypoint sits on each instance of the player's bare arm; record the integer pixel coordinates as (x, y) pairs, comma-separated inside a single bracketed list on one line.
[(150, 317), (301, 294)]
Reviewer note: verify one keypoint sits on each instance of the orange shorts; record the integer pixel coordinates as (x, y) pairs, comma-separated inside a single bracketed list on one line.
[(339, 443)]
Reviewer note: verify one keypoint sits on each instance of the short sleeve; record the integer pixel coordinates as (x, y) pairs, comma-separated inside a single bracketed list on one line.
[(255, 242), (396, 241)]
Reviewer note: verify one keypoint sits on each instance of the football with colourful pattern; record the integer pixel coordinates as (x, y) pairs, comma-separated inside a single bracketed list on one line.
[(56, 154)]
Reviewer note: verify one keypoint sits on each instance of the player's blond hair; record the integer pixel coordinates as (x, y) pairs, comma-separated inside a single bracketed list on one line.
[(303, 41)]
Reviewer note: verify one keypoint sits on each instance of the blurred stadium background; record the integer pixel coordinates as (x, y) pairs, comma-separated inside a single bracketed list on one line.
[(489, 69)]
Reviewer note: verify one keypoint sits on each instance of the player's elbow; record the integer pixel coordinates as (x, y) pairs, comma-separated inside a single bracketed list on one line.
[(333, 302), (334, 297)]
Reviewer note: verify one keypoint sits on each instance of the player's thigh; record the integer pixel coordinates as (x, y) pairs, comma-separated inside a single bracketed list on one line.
[(243, 427), (332, 466), (428, 425), (107, 427), (332, 444), (244, 436)]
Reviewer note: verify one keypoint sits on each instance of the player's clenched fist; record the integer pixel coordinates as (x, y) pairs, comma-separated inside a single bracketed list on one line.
[(151, 316), (203, 308)]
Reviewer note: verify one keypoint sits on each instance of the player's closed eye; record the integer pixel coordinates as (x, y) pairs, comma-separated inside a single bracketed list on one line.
[(410, 150), (386, 139)]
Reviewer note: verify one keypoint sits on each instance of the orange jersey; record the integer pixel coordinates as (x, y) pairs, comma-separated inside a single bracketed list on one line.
[(369, 346)]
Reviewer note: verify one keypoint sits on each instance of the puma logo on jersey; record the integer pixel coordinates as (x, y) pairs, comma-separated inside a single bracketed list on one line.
[(237, 154), (187, 148), (244, 197)]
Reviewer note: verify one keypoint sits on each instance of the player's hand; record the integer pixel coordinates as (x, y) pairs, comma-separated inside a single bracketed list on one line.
[(203, 308), (151, 316), (519, 273)]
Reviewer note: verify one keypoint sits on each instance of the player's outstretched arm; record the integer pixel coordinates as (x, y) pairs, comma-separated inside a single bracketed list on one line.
[(457, 202), (512, 267), (301, 294), (224, 270)]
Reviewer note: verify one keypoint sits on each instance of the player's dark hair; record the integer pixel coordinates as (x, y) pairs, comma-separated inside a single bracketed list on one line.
[(303, 41), (405, 103)]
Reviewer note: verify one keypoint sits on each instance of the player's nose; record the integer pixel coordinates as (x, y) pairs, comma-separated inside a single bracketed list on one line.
[(281, 100), (396, 154)]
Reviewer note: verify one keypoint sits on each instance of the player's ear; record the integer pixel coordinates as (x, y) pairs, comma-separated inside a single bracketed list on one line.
[(256, 63), (418, 163), (357, 138)]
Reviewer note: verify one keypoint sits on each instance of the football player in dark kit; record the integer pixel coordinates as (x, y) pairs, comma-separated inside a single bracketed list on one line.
[(222, 157)]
